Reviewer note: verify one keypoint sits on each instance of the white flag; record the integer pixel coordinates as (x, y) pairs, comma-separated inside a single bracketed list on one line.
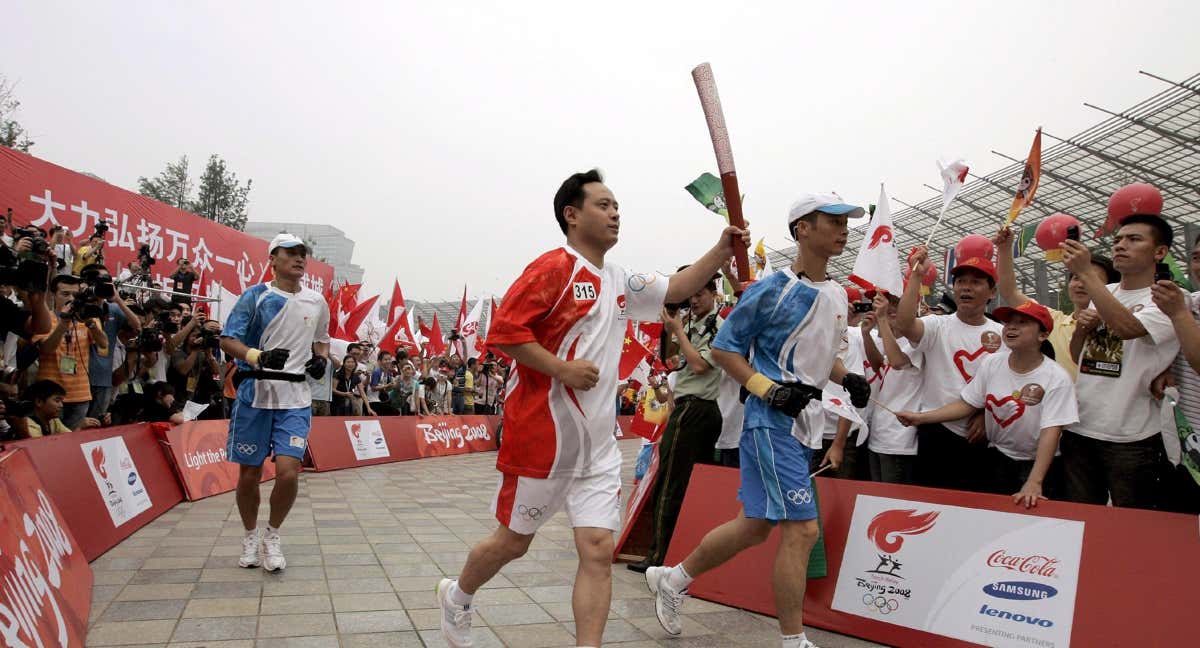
[(878, 265), (954, 174), (840, 404), (470, 331)]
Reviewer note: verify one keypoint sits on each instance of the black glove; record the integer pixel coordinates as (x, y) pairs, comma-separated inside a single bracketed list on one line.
[(790, 398), (315, 367), (273, 359), (859, 389)]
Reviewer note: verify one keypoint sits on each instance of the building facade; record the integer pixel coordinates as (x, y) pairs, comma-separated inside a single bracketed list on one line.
[(329, 244)]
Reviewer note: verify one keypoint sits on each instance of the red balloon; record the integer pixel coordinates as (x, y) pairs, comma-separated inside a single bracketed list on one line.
[(1136, 198), (1051, 233), (931, 276), (975, 245)]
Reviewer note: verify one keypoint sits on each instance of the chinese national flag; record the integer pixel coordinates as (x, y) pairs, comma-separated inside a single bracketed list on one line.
[(633, 353), (650, 334)]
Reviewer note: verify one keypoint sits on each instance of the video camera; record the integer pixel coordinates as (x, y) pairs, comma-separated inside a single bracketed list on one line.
[(17, 408), (454, 335), (27, 270), (144, 258), (210, 339)]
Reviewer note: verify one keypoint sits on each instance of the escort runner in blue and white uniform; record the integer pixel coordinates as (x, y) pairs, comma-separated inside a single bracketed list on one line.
[(781, 342), (278, 332)]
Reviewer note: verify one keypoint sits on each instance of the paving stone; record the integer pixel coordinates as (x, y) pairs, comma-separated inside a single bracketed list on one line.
[(302, 604), (128, 633), (296, 625), (143, 610), (380, 621), (221, 607)]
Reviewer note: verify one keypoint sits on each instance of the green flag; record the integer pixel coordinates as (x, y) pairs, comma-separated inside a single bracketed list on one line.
[(817, 567), (707, 190), (1177, 274), (1189, 441), (1022, 239)]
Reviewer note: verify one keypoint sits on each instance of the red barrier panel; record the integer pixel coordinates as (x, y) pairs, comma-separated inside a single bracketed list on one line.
[(197, 449), (336, 442), (45, 194), (45, 582), (108, 482), (1132, 565)]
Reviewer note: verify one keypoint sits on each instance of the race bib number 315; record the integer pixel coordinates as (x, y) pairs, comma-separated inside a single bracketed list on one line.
[(584, 291)]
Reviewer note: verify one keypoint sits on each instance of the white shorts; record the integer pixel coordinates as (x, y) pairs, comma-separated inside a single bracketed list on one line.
[(524, 504)]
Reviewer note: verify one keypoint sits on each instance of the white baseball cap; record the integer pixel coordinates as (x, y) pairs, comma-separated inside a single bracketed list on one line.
[(283, 239), (828, 203)]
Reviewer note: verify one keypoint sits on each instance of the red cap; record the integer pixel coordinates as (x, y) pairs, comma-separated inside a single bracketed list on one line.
[(1029, 308), (853, 294), (976, 263)]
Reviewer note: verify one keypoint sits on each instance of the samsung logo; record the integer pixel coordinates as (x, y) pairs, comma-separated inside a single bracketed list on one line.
[(1019, 590)]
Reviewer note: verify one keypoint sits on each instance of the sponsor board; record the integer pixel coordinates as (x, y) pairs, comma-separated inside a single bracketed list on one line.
[(45, 582), (1000, 579), (116, 478), (366, 438)]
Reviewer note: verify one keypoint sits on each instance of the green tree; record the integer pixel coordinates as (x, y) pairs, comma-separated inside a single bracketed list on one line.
[(12, 133), (171, 186), (222, 197)]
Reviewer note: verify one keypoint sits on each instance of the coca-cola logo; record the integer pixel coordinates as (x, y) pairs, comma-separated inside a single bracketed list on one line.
[(1034, 564)]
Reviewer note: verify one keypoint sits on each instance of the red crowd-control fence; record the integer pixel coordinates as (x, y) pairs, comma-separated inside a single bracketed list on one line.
[(912, 566), (45, 580)]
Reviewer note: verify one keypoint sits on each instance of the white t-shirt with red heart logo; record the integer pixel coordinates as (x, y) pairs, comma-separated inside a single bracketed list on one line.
[(953, 353), (899, 390), (1018, 406)]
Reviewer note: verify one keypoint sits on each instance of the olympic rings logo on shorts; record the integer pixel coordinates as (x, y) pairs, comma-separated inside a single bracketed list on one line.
[(246, 448), (880, 604), (530, 512), (802, 496)]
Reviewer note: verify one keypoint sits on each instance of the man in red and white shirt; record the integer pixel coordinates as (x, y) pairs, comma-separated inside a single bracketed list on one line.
[(564, 321)]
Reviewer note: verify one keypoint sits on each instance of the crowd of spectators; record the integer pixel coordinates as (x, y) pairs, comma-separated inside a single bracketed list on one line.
[(82, 349)]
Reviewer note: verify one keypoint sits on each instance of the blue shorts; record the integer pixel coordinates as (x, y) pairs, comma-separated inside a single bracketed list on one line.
[(255, 433), (775, 479)]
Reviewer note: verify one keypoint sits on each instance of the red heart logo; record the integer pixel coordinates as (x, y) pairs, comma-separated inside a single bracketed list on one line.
[(993, 404), (961, 357)]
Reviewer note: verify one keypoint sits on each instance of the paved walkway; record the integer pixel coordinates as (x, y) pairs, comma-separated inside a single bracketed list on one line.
[(365, 548)]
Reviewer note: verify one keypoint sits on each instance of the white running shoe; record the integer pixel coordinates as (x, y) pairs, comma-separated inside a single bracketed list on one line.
[(668, 603), (808, 644), (273, 559), (456, 619), (251, 550)]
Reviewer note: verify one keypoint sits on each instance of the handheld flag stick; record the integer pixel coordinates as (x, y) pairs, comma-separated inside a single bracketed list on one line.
[(885, 407), (821, 470)]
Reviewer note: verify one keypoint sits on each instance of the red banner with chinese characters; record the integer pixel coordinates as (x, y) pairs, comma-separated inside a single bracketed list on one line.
[(198, 451), (47, 589), (44, 194)]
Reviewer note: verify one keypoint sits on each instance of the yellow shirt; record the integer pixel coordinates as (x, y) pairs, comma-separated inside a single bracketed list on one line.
[(1060, 339), (469, 391), (35, 430)]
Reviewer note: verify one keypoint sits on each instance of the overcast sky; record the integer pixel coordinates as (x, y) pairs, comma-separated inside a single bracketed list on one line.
[(436, 135)]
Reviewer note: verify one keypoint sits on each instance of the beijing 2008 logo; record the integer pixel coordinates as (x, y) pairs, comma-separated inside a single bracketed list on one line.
[(884, 585)]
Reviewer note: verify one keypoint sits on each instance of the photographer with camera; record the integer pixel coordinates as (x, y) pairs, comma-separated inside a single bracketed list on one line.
[(60, 244), (24, 267), (195, 367), (91, 253), (690, 436), (6, 219), (64, 353), (183, 278), (102, 294)]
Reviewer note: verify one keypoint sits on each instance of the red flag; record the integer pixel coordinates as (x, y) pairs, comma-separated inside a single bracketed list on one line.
[(436, 345), (347, 297), (500, 355), (397, 336), (426, 332), (355, 317), (632, 354), (650, 334), (397, 308)]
